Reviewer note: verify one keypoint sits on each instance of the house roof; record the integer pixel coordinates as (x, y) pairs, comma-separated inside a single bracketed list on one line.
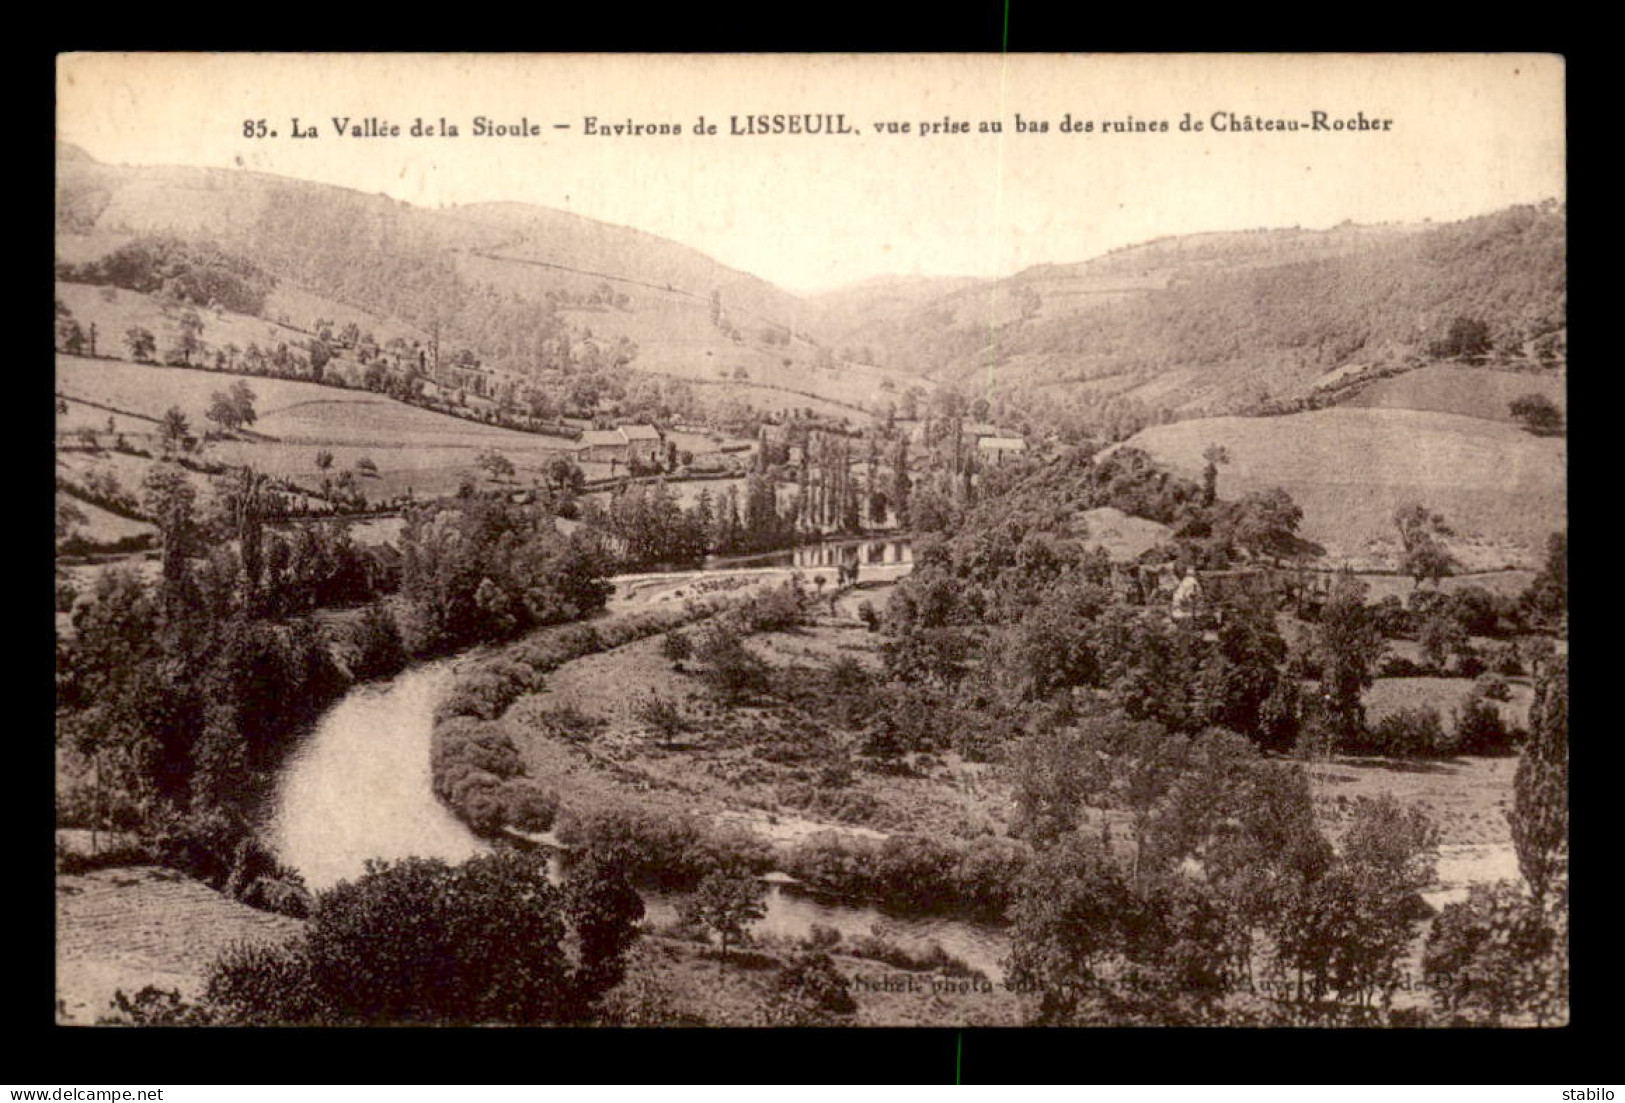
[(640, 432), (1003, 444), (602, 437)]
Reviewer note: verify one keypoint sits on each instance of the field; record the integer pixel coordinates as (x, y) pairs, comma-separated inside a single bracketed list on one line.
[(1501, 488), (103, 527), (131, 927), (1472, 392), (414, 449)]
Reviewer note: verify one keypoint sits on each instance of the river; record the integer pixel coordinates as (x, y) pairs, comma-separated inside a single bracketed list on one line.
[(358, 787)]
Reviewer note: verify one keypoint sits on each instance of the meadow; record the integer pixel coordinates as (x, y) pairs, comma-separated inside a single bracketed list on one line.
[(1501, 488), (1472, 392)]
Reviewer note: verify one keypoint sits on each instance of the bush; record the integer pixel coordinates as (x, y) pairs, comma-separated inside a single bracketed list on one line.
[(1469, 664), (469, 761), (113, 809), (670, 851), (1410, 732), (775, 610), (415, 941), (526, 806), (821, 937), (662, 716), (731, 669), (1504, 659), (1479, 729), (1499, 955), (1492, 687), (1393, 619), (933, 959), (73, 863), (488, 690), (377, 647), (1398, 666), (913, 873), (677, 647)]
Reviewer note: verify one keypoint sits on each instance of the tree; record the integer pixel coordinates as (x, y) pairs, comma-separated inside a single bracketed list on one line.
[(414, 941), (70, 336), (731, 668), (170, 499), (1540, 788), (604, 909), (324, 459), (1348, 644), (726, 902), (1264, 523), (809, 991), (242, 399), (1213, 455), (1067, 920), (497, 465), (1538, 413), (564, 475), (140, 342), (1467, 339), (1442, 636), (173, 429), (321, 354), (223, 412), (1499, 953), (188, 336), (1548, 592), (1420, 533)]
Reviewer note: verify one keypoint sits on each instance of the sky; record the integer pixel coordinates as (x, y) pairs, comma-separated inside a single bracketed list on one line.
[(1468, 134)]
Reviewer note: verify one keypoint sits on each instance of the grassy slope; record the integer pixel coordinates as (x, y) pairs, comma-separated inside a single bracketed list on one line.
[(428, 451), (128, 928), (1473, 392), (1349, 469)]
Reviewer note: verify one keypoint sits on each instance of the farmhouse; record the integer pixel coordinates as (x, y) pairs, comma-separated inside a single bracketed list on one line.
[(996, 450), (645, 442), (624, 445)]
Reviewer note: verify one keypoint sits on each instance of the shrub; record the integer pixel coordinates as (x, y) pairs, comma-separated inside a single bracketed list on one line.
[(1499, 954), (1393, 619), (1398, 666), (677, 647), (488, 690), (933, 959), (821, 937), (1410, 732), (153, 1006), (731, 669), (667, 850), (375, 640), (1469, 664), (662, 716), (526, 806), (808, 991), (469, 761), (869, 615), (74, 862), (775, 610), (1504, 659), (1479, 729), (415, 941), (112, 808), (1492, 687)]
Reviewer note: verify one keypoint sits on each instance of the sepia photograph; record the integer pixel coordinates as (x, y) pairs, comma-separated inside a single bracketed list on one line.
[(811, 540)]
